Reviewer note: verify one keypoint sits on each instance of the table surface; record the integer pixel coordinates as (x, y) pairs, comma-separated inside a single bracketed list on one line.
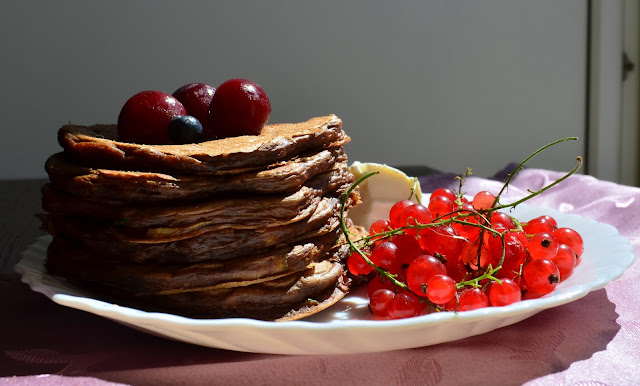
[(590, 341)]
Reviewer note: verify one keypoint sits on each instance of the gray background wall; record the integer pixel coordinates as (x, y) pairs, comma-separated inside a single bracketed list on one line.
[(446, 84)]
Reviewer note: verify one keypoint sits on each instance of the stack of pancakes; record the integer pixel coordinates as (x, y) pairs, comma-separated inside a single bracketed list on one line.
[(244, 226)]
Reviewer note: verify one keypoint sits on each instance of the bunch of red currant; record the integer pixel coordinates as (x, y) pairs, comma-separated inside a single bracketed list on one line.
[(458, 255), (193, 113)]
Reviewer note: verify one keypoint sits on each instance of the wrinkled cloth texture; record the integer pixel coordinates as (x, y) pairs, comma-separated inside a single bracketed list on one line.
[(594, 340)]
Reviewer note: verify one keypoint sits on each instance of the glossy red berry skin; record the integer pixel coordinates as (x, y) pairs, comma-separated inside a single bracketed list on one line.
[(441, 289), (238, 107), (543, 246), (196, 98), (442, 240), (377, 283), (379, 226), (542, 224), (440, 206), (145, 117), (541, 276), (450, 194), (571, 238), (358, 265), (404, 305), (483, 200), (396, 210), (414, 215), (472, 299), (504, 293), (384, 255), (565, 260), (380, 302), (408, 248), (421, 270), (502, 218)]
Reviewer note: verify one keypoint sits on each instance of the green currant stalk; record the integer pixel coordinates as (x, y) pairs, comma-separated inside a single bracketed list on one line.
[(475, 282), (521, 165)]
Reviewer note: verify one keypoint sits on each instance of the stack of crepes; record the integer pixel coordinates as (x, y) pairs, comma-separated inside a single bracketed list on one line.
[(244, 226)]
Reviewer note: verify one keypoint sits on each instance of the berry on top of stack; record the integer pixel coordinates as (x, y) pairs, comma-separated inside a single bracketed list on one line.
[(199, 213)]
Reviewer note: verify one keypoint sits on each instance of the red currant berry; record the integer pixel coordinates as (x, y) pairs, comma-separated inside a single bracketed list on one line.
[(549, 219), (384, 255), (469, 232), (472, 299), (414, 215), (408, 248), (483, 200), (396, 210), (522, 237), (380, 302), (404, 305), (451, 305), (196, 98), (502, 219), (476, 255), (450, 194), (441, 289), (571, 238), (541, 275), (238, 107), (456, 269), (538, 225), (442, 240), (504, 293), (565, 259), (379, 226), (515, 254), (377, 283), (145, 117), (542, 246), (421, 270), (358, 265), (440, 206)]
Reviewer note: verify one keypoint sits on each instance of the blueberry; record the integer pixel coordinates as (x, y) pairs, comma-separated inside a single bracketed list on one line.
[(185, 129)]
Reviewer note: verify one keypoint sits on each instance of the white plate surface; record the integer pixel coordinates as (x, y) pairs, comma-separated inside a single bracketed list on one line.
[(347, 327)]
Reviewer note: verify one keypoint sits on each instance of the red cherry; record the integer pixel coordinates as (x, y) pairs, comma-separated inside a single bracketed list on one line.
[(238, 107), (145, 117), (196, 98)]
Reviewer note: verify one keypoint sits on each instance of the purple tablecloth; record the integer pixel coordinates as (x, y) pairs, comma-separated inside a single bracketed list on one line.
[(594, 340)]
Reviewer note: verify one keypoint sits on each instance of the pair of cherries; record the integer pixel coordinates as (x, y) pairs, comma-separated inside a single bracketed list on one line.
[(193, 113)]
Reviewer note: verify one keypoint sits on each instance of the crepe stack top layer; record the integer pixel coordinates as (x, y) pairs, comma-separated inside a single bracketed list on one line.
[(244, 226)]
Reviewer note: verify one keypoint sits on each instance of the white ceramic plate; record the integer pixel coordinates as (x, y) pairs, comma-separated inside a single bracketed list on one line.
[(347, 327)]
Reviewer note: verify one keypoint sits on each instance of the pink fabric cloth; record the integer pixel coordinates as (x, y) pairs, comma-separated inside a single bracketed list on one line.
[(594, 340)]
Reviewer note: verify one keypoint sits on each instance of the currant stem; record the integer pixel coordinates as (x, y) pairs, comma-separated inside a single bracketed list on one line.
[(521, 165), (547, 187)]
